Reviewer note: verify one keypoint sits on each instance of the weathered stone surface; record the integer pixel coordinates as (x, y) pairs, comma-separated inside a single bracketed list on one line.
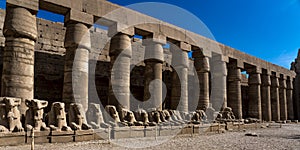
[(77, 43), (18, 57), (77, 118), (35, 115), (266, 97), (275, 98), (234, 89), (57, 118), (282, 98), (120, 53), (255, 95), (202, 68), (153, 74), (29, 4), (179, 93), (11, 117), (218, 82)]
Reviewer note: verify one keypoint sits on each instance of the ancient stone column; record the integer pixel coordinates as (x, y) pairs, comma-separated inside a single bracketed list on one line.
[(120, 54), (266, 97), (275, 98), (254, 83), (282, 98), (202, 69), (234, 92), (289, 98), (218, 82), (18, 57), (179, 92), (77, 44), (154, 57)]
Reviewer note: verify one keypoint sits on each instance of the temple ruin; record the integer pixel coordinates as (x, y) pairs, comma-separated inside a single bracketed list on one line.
[(79, 70)]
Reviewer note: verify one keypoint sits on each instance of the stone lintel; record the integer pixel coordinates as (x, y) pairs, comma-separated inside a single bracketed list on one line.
[(185, 46), (254, 70), (157, 40), (78, 16), (33, 5)]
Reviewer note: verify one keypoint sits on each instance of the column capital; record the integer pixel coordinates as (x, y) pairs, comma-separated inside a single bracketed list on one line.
[(282, 83), (153, 50), (266, 79), (32, 5), (179, 57), (254, 78), (117, 28), (77, 35), (202, 64), (274, 81)]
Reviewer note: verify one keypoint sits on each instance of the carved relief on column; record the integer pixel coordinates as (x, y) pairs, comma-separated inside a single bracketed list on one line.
[(20, 33), (266, 96), (275, 105), (179, 91), (154, 57), (254, 83), (202, 69), (234, 92), (289, 98), (282, 98), (120, 54)]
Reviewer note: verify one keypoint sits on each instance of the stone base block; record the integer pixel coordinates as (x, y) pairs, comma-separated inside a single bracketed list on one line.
[(61, 136), (215, 127), (83, 135), (135, 132), (39, 137), (120, 133), (102, 134), (16, 138), (187, 130)]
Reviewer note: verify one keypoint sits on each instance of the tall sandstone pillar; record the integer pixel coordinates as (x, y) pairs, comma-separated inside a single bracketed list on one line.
[(78, 46), (234, 91), (289, 98), (202, 69), (275, 98), (18, 57), (282, 98), (254, 82), (218, 82), (180, 63), (154, 57), (120, 54), (266, 97)]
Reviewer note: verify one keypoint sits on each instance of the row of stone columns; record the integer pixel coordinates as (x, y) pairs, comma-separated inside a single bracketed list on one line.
[(270, 95)]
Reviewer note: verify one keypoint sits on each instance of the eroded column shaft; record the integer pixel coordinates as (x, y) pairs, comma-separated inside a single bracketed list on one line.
[(282, 99), (179, 91), (218, 83), (18, 57), (120, 53), (289, 98), (254, 96), (266, 97), (202, 69), (234, 92), (77, 44), (275, 98), (153, 75)]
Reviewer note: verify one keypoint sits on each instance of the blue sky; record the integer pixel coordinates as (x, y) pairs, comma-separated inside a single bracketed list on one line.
[(267, 29)]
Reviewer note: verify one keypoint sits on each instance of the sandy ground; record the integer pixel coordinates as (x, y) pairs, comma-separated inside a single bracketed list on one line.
[(287, 137)]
